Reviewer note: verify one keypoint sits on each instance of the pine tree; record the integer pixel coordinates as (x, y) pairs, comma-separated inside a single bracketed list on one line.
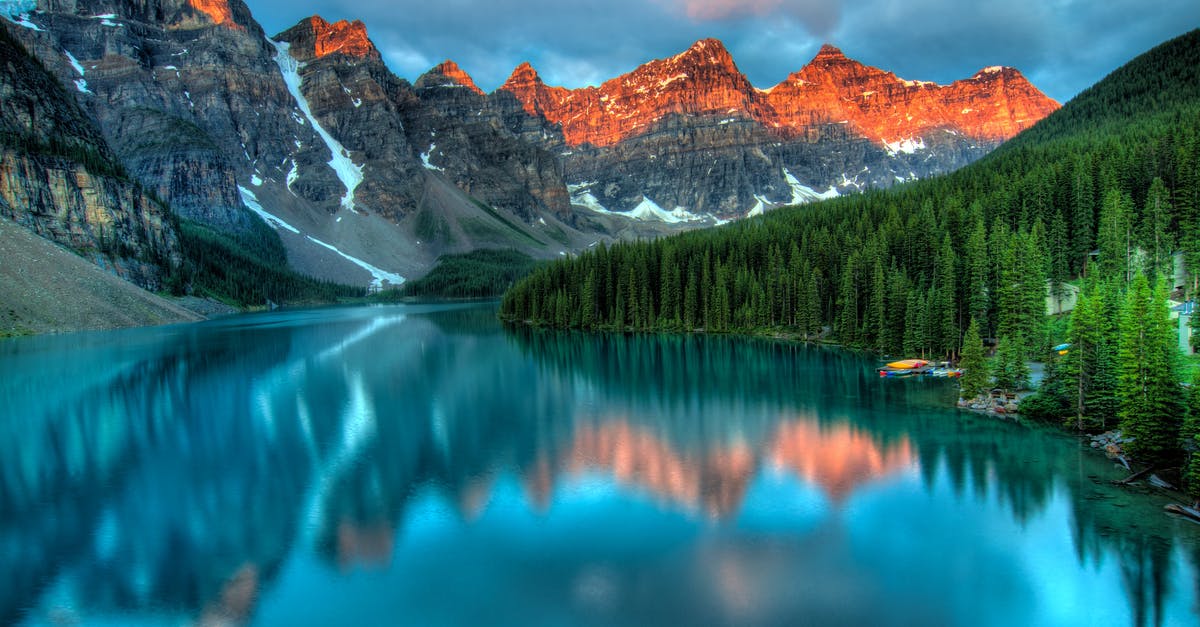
[(1116, 247), (977, 270), (1153, 234), (1189, 440), (1010, 369), (1083, 213), (1148, 389), (975, 378)]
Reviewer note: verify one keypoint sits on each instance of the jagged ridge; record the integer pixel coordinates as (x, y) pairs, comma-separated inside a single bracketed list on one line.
[(993, 105)]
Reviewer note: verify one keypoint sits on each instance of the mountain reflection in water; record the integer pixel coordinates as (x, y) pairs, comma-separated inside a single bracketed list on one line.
[(423, 465)]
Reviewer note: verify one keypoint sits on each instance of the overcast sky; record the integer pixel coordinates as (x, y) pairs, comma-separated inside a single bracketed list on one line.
[(1063, 46)]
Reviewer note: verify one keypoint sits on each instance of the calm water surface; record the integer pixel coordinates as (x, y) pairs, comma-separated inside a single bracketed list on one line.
[(421, 465)]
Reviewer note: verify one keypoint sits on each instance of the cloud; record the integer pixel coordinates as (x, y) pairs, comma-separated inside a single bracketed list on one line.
[(819, 16)]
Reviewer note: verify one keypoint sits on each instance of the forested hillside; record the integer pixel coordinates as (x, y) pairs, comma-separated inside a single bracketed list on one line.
[(1108, 188), (904, 270)]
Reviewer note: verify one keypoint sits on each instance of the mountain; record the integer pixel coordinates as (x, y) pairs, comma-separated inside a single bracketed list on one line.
[(645, 139), (906, 270), (367, 178)]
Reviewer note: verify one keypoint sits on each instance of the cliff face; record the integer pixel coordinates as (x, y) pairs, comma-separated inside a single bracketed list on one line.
[(400, 133), (60, 179), (185, 90), (991, 106), (213, 116), (692, 136)]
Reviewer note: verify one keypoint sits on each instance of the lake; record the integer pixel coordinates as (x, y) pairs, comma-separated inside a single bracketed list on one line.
[(423, 465)]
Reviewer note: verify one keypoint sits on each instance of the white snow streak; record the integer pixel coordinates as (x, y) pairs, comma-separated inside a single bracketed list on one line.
[(292, 175), (759, 207), (17, 12), (251, 201), (802, 193), (347, 172), (380, 275)]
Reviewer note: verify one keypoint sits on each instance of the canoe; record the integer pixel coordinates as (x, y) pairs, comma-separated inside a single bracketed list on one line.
[(908, 364)]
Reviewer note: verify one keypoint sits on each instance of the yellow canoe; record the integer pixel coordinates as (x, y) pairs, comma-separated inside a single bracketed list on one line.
[(908, 364)]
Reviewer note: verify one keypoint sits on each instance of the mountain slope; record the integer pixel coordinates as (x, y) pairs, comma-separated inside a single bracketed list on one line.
[(905, 270), (46, 289)]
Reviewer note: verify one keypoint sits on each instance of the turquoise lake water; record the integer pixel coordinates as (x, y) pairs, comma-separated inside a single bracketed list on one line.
[(423, 465)]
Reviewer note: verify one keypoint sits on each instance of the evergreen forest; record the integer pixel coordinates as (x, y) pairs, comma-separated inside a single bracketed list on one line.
[(1096, 202)]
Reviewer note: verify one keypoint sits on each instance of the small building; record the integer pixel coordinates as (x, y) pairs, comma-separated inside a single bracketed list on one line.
[(1068, 297)]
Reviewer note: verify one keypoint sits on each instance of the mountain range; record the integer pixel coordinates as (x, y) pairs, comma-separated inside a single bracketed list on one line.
[(368, 178)]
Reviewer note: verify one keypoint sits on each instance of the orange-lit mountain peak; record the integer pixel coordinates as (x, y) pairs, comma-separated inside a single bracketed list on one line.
[(349, 38), (896, 114), (217, 10), (829, 52), (450, 70), (704, 52)]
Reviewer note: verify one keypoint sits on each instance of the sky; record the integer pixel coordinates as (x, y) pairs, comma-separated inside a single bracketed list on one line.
[(1062, 46)]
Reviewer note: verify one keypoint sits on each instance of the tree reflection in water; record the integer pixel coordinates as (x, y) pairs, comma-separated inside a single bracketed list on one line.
[(179, 471)]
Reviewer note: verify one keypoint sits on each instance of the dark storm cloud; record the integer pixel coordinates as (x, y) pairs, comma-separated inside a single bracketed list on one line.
[(1061, 45)]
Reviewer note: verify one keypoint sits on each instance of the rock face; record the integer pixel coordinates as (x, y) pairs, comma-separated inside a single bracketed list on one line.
[(312, 130), (60, 179), (402, 134), (836, 126)]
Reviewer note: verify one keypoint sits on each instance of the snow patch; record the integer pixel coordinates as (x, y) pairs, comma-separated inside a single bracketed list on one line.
[(649, 210), (906, 146), (802, 193), (589, 201), (759, 207), (251, 202), (347, 172), (13, 8), (992, 69), (256, 180), (425, 159), (17, 12), (292, 175), (379, 275), (80, 84)]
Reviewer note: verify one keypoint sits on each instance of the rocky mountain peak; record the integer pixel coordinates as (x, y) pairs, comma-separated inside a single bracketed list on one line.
[(830, 52), (523, 75), (315, 38), (457, 76), (705, 52), (218, 11)]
